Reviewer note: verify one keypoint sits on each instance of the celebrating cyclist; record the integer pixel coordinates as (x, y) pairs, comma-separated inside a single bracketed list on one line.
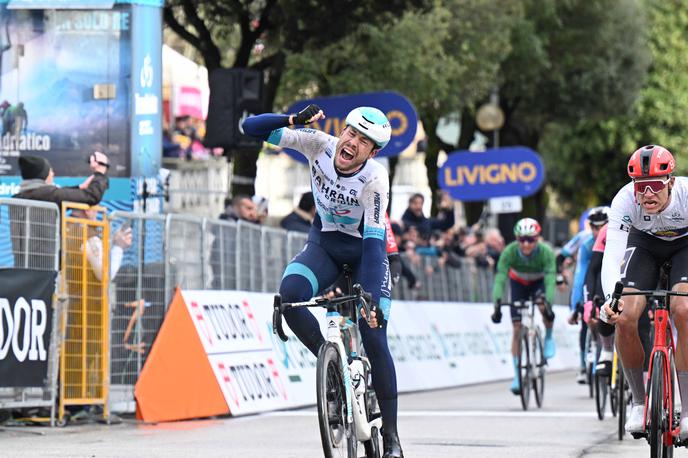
[(648, 224), (531, 268), (351, 192)]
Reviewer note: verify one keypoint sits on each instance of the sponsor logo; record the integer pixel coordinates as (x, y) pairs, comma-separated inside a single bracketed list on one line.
[(197, 313), (253, 382), (626, 219), (228, 322), (646, 218), (22, 329), (376, 204), (331, 194)]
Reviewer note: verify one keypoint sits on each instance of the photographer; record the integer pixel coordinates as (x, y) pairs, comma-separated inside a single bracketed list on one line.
[(38, 181)]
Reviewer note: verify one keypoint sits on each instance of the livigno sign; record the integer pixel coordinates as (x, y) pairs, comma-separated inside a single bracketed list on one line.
[(499, 172)]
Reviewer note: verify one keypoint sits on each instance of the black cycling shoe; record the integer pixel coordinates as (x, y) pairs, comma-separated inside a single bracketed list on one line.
[(391, 446), (604, 368)]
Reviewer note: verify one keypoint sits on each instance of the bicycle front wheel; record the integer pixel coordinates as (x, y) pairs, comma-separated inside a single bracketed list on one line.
[(337, 435), (657, 406), (539, 362), (623, 400), (524, 368), (601, 385)]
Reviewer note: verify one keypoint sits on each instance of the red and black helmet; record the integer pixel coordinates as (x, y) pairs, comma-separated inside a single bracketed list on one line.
[(651, 161)]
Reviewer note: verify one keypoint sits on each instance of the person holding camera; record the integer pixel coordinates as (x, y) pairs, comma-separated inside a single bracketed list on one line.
[(38, 181)]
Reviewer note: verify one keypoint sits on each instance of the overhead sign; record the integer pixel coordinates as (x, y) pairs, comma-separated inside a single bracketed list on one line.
[(498, 172), (511, 204), (399, 110)]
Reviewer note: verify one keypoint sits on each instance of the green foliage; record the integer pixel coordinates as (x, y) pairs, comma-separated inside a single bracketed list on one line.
[(586, 161)]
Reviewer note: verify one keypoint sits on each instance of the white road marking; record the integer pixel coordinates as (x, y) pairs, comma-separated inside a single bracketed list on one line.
[(454, 413)]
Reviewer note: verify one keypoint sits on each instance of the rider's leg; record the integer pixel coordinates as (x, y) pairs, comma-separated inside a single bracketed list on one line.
[(310, 271), (382, 368), (515, 351), (549, 328), (629, 346)]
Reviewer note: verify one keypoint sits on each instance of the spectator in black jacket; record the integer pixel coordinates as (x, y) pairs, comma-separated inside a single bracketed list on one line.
[(38, 182), (413, 216), (301, 218)]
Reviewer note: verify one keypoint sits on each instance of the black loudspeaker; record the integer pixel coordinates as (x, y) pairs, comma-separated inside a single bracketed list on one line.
[(235, 93)]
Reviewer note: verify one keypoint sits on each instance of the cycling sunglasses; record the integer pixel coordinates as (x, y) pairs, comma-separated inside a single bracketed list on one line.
[(526, 239), (655, 186)]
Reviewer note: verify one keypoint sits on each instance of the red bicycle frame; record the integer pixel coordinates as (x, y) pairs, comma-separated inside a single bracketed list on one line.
[(664, 343)]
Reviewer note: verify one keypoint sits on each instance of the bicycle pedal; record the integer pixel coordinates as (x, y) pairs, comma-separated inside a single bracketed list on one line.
[(638, 435)]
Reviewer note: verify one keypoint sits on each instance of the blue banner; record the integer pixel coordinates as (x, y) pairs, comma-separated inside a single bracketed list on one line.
[(399, 110), (499, 172), (146, 115)]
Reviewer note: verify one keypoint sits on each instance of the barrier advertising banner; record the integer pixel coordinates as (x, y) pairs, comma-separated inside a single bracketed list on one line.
[(497, 172), (25, 326), (399, 110), (225, 340)]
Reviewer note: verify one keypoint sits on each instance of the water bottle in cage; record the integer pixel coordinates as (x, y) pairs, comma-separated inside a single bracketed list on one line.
[(358, 379)]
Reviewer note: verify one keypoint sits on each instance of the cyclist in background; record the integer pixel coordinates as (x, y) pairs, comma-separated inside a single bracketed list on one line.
[(579, 246), (351, 193), (648, 224), (531, 268)]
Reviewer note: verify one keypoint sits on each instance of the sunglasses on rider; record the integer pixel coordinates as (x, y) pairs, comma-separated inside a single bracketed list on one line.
[(526, 239), (655, 186)]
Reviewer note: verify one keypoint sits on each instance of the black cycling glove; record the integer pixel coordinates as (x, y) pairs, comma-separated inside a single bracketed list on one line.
[(497, 315), (304, 115)]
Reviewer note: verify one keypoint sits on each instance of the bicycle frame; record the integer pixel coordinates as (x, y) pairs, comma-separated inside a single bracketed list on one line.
[(337, 326), (663, 344)]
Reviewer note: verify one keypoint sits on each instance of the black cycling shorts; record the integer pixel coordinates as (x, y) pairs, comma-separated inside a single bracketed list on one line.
[(645, 255)]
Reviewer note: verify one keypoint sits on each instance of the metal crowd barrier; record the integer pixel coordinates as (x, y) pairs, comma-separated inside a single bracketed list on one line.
[(30, 238), (179, 250), (84, 356)]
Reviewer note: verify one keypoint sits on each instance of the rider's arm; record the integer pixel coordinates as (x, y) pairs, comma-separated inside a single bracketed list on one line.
[(593, 273), (584, 253), (550, 271), (273, 129), (502, 271), (621, 216), (374, 197)]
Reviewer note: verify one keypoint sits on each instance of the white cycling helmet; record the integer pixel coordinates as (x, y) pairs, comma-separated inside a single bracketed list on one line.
[(372, 123), (598, 216), (527, 227)]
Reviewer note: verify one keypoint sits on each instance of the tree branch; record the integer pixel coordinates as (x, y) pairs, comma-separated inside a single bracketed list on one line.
[(179, 29), (210, 52)]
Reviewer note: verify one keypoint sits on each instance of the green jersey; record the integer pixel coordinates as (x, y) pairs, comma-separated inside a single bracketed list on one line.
[(526, 269)]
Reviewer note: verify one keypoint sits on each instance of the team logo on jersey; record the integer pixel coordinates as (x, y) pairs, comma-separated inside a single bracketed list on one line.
[(626, 219), (671, 232), (377, 204), (676, 216), (646, 218)]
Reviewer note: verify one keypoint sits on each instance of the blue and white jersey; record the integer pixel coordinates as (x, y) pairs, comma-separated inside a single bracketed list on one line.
[(354, 204), (581, 243)]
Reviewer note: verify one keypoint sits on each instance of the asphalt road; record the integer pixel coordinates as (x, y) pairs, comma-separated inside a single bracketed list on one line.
[(478, 421)]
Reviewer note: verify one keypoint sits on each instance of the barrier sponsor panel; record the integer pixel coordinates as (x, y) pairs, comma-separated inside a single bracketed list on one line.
[(25, 326), (434, 345)]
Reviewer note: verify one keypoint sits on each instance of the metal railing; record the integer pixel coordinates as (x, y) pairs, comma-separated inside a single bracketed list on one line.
[(30, 238), (172, 250)]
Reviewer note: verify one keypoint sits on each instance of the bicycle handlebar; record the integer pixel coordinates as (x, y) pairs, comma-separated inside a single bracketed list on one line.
[(658, 293), (279, 307)]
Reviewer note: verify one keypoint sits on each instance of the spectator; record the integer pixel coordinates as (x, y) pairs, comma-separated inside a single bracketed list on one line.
[(413, 216), (301, 218), (38, 181), (37, 184), (261, 208), (242, 208), (121, 240)]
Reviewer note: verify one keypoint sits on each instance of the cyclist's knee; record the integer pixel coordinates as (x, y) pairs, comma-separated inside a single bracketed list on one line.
[(295, 288), (679, 312)]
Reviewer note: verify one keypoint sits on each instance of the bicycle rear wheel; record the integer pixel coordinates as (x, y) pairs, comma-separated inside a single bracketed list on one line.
[(622, 400), (337, 435), (601, 385), (538, 369), (657, 405), (613, 395), (524, 368)]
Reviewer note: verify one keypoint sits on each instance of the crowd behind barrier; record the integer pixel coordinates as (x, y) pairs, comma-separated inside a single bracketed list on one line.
[(173, 250)]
